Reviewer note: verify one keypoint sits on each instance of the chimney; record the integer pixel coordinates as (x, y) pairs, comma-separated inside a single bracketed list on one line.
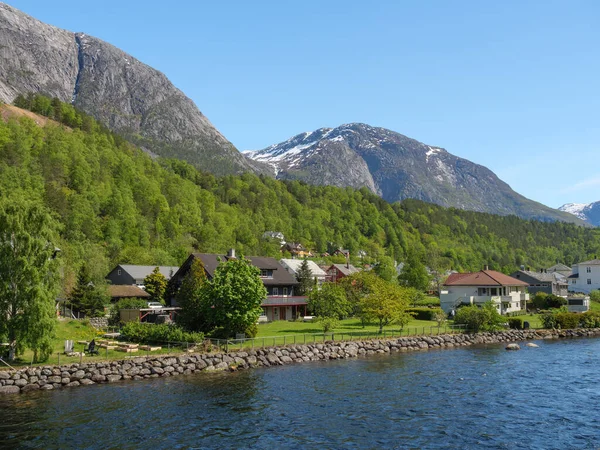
[(231, 253), (347, 260), (486, 267)]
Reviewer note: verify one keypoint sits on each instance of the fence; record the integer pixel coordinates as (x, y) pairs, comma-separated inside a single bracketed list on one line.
[(313, 338)]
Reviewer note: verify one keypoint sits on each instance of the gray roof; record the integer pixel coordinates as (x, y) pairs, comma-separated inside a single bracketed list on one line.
[(543, 277), (558, 267), (346, 269), (141, 272), (591, 262), (294, 265)]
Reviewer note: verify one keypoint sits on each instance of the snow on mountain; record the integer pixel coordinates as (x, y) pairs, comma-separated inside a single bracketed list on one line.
[(590, 212)]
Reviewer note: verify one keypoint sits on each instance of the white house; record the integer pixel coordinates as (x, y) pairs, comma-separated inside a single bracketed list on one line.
[(507, 293), (585, 277), (293, 266)]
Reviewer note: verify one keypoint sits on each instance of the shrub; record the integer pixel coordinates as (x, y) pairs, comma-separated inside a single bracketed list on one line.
[(425, 313), (541, 300), (486, 318), (548, 319), (567, 320), (516, 323), (590, 319), (595, 295), (157, 333)]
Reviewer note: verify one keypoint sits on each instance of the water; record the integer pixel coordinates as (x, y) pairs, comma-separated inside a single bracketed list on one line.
[(486, 397)]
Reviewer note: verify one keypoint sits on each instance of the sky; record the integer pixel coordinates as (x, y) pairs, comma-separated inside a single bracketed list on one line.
[(511, 85)]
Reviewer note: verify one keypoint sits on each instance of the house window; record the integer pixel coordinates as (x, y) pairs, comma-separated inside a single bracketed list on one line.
[(275, 291), (588, 269), (589, 281), (285, 291), (574, 282), (119, 272), (263, 273)]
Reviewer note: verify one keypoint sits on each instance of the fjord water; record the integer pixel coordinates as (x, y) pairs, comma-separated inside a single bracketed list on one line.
[(478, 397)]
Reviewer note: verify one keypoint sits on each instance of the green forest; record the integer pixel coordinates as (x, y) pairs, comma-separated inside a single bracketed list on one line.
[(116, 204)]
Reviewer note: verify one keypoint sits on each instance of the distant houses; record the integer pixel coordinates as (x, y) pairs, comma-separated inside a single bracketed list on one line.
[(336, 272), (508, 294)]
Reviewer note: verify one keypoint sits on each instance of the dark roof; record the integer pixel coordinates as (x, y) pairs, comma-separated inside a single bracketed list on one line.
[(141, 272), (210, 261), (574, 275), (126, 291), (483, 278)]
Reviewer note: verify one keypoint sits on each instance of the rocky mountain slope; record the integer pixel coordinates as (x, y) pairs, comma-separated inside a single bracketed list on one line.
[(397, 167), (128, 96), (590, 212)]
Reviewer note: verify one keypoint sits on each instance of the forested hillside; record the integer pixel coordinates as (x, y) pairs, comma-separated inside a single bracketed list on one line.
[(116, 204)]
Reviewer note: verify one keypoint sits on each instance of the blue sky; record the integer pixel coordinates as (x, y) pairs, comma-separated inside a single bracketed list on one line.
[(511, 85)]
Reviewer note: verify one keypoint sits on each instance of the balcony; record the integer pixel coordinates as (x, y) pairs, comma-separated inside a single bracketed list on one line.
[(276, 300)]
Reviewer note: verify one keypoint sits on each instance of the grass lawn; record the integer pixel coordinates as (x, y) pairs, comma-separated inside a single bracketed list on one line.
[(77, 330)]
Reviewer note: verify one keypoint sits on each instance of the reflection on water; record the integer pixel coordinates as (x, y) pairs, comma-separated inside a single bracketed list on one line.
[(465, 398)]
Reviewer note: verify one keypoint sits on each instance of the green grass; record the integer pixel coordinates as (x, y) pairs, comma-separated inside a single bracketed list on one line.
[(78, 330)]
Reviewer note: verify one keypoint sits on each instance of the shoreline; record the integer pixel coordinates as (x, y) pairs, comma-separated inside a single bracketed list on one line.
[(147, 367)]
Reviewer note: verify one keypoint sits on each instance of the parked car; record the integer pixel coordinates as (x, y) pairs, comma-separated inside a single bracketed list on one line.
[(155, 305)]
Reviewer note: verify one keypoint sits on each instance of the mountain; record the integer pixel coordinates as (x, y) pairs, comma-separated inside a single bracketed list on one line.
[(397, 167), (128, 96), (590, 212)]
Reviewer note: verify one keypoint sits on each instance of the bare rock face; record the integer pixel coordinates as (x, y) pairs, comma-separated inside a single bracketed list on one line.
[(35, 57), (126, 95)]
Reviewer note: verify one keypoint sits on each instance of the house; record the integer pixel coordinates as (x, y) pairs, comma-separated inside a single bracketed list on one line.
[(578, 303), (118, 292), (336, 272), (560, 268), (129, 274), (276, 236), (280, 302), (293, 266), (550, 283), (585, 277), (296, 249), (342, 252), (507, 293)]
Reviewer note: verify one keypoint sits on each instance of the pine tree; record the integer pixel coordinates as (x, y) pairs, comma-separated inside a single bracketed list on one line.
[(304, 276), (155, 284), (88, 297)]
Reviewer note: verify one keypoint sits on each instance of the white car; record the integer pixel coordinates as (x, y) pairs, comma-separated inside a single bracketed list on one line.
[(155, 305)]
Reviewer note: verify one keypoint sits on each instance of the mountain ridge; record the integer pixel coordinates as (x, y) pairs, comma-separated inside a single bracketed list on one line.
[(130, 97), (397, 167)]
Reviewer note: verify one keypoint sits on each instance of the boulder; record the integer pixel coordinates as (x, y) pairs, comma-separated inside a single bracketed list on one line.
[(513, 347)]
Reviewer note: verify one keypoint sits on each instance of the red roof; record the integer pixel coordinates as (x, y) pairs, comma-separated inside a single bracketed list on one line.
[(483, 278)]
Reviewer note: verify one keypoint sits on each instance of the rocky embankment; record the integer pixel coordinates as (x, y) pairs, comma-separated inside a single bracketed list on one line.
[(140, 368)]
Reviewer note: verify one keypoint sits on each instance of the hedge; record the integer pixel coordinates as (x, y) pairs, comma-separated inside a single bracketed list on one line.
[(424, 313), (147, 333)]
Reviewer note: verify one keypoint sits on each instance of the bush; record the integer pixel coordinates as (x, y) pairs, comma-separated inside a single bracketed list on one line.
[(541, 300), (427, 301), (146, 333), (595, 295), (567, 320), (486, 318), (424, 313), (548, 319), (516, 323), (590, 319)]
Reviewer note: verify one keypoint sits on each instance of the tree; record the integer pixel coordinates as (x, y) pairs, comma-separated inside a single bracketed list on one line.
[(414, 274), (329, 304), (356, 287), (88, 297), (236, 295), (385, 268), (386, 304), (155, 284), (192, 299), (304, 276), (28, 278)]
